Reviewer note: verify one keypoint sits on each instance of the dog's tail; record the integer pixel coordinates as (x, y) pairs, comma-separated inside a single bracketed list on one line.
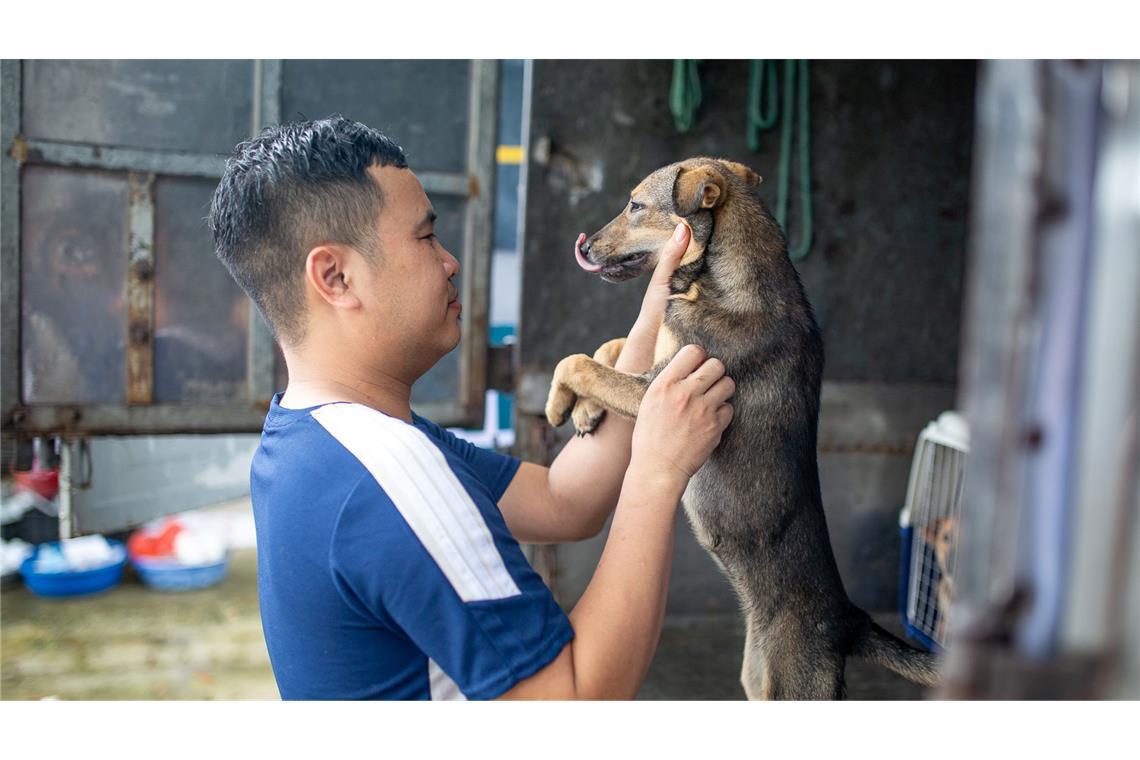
[(880, 647)]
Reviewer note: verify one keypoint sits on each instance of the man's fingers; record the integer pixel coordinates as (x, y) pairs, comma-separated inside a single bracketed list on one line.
[(683, 363), (706, 374), (721, 390), (724, 414), (671, 253)]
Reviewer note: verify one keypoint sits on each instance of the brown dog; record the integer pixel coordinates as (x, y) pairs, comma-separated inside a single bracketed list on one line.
[(755, 505), (942, 535)]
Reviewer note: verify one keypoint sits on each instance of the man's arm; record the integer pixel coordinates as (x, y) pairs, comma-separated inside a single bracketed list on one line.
[(618, 620), (550, 505)]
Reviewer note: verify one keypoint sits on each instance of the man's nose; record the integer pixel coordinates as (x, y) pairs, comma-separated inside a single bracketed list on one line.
[(450, 264)]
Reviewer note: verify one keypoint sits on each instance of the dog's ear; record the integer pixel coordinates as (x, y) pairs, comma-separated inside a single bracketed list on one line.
[(751, 178), (698, 188)]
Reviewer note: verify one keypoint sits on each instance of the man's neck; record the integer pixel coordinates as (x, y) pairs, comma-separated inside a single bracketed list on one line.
[(329, 384), (307, 393)]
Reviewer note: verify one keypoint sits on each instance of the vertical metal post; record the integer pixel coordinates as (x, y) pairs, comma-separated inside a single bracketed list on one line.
[(259, 349), (998, 327), (10, 159), (998, 330), (140, 291), (1106, 507), (478, 234), (531, 433), (67, 463)]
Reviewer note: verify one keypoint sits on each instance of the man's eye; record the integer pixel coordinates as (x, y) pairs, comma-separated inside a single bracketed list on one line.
[(635, 206), (430, 236)]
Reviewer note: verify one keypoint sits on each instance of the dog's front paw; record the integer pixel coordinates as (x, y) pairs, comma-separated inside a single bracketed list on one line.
[(558, 404), (587, 415), (561, 399)]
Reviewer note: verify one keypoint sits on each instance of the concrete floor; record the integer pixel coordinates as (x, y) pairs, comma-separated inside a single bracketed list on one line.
[(133, 643), (699, 657)]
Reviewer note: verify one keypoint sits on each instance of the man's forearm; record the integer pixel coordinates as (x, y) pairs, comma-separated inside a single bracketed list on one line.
[(617, 622)]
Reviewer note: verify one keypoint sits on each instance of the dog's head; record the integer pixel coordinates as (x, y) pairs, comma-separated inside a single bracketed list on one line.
[(692, 191), (942, 535)]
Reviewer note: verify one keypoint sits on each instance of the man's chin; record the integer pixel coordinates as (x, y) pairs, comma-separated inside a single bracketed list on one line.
[(458, 335)]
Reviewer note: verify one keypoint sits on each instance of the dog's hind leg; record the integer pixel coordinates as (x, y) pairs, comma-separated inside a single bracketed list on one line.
[(588, 414), (780, 664), (752, 668)]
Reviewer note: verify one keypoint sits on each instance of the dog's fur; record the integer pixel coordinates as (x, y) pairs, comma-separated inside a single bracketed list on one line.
[(755, 505)]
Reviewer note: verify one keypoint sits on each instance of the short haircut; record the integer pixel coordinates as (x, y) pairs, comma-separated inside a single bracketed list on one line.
[(293, 187)]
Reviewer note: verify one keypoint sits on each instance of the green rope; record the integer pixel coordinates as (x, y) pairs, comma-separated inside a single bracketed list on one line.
[(795, 121), (684, 94), (758, 121), (764, 108), (804, 141), (785, 165)]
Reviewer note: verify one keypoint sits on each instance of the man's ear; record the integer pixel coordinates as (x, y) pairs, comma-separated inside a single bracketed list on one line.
[(325, 273), (751, 178), (701, 187)]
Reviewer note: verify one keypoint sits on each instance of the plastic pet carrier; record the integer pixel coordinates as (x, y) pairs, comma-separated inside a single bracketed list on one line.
[(929, 525)]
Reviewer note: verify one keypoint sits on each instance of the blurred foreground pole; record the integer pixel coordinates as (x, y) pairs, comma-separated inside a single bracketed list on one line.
[(1049, 567)]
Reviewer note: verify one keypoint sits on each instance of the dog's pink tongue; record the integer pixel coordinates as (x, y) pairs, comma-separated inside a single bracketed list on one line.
[(582, 259)]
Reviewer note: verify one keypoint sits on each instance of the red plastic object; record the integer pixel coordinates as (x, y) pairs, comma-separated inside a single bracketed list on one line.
[(152, 543), (43, 482)]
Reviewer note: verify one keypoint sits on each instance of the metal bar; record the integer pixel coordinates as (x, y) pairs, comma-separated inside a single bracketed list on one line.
[(477, 234), (1053, 387), (122, 159), (67, 462), (163, 419), (270, 103), (1106, 468), (140, 290), (471, 185), (996, 324), (10, 120), (998, 327), (260, 356)]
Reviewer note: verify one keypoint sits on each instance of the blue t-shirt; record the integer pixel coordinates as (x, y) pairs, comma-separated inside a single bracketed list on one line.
[(385, 569)]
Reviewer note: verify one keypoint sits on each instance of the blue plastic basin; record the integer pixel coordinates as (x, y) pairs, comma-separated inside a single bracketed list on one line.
[(169, 575), (72, 583)]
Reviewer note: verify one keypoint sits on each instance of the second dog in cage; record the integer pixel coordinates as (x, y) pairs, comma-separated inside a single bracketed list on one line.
[(755, 505), (942, 535), (930, 523)]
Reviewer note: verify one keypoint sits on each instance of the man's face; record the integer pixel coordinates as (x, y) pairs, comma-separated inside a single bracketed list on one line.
[(411, 294)]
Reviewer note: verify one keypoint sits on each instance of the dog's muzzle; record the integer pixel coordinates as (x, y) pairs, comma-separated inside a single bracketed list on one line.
[(581, 251)]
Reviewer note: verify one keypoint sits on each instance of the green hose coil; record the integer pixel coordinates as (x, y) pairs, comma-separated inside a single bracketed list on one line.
[(795, 122)]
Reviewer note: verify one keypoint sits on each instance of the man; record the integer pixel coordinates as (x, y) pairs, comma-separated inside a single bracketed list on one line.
[(388, 562)]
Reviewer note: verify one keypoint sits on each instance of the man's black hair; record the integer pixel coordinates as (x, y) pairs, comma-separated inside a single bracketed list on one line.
[(291, 188)]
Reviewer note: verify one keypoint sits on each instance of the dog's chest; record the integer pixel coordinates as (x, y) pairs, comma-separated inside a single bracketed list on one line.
[(667, 345)]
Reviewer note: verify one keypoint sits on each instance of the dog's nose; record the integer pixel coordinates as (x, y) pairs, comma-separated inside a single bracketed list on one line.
[(585, 248)]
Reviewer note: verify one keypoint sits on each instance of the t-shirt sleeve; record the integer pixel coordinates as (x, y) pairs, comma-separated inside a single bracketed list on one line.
[(494, 469), (455, 584)]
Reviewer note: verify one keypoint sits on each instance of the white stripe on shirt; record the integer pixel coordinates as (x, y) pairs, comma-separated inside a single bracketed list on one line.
[(416, 477), (442, 687)]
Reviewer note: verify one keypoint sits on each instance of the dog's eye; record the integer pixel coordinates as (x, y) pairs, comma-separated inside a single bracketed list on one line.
[(635, 206)]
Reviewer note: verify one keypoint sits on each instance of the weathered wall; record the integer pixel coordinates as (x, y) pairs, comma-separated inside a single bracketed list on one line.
[(891, 146)]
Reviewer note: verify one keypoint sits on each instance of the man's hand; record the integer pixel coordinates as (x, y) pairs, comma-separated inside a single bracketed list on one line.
[(637, 356), (657, 294), (683, 415)]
